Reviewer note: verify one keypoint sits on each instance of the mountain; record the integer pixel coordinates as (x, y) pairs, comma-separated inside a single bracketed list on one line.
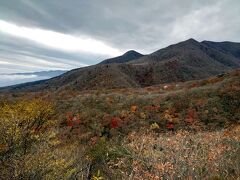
[(187, 60), (17, 78), (192, 52), (51, 73), (128, 56)]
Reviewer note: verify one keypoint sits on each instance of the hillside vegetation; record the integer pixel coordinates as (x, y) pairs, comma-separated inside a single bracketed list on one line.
[(187, 60), (179, 130)]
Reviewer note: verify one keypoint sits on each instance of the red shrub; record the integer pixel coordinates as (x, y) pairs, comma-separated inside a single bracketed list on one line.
[(73, 120), (69, 119), (170, 126), (115, 122), (193, 85)]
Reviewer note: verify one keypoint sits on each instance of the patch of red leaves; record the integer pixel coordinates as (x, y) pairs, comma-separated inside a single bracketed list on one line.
[(170, 126), (115, 122), (73, 120)]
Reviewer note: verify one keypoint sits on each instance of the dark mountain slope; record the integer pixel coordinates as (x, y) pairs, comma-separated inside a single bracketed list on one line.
[(128, 56), (229, 48), (187, 60), (92, 77), (191, 51)]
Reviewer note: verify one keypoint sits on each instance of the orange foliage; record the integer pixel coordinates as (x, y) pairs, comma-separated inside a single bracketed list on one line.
[(109, 100), (191, 116), (133, 109), (171, 116)]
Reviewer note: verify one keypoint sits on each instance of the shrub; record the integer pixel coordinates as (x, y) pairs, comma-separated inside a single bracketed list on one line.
[(28, 139)]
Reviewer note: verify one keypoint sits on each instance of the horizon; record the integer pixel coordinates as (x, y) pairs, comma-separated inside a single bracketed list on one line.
[(58, 35), (15, 78)]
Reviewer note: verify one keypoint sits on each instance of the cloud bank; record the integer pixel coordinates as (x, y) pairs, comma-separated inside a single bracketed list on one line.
[(59, 34)]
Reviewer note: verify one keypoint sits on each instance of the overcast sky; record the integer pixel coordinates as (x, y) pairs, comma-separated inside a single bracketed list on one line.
[(40, 35)]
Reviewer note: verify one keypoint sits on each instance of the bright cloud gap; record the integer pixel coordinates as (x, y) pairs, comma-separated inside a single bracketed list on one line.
[(11, 79), (58, 40)]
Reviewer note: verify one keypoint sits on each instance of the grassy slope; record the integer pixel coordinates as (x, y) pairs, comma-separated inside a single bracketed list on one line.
[(215, 101), (204, 143)]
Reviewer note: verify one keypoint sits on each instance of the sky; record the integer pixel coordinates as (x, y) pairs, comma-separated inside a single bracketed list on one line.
[(37, 35)]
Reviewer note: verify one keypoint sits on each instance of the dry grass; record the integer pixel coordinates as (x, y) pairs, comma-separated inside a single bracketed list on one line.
[(123, 134), (182, 155)]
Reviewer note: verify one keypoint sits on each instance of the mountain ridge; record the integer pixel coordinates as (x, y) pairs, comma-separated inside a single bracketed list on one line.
[(187, 60)]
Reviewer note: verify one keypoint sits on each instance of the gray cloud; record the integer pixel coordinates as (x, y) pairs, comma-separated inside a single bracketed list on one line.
[(143, 25), (24, 56)]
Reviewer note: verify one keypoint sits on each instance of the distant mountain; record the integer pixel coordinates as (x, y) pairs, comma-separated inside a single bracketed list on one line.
[(17, 78), (43, 73), (128, 56), (187, 60)]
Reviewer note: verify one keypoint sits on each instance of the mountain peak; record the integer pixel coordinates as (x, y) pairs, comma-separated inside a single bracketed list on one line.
[(131, 52), (188, 43), (191, 40), (126, 57)]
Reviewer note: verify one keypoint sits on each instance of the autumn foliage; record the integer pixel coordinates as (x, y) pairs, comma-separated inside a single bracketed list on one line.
[(27, 141), (115, 122), (188, 130), (133, 108), (73, 120), (191, 116)]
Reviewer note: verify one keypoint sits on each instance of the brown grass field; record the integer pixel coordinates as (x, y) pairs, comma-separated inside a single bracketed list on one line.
[(184, 130)]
